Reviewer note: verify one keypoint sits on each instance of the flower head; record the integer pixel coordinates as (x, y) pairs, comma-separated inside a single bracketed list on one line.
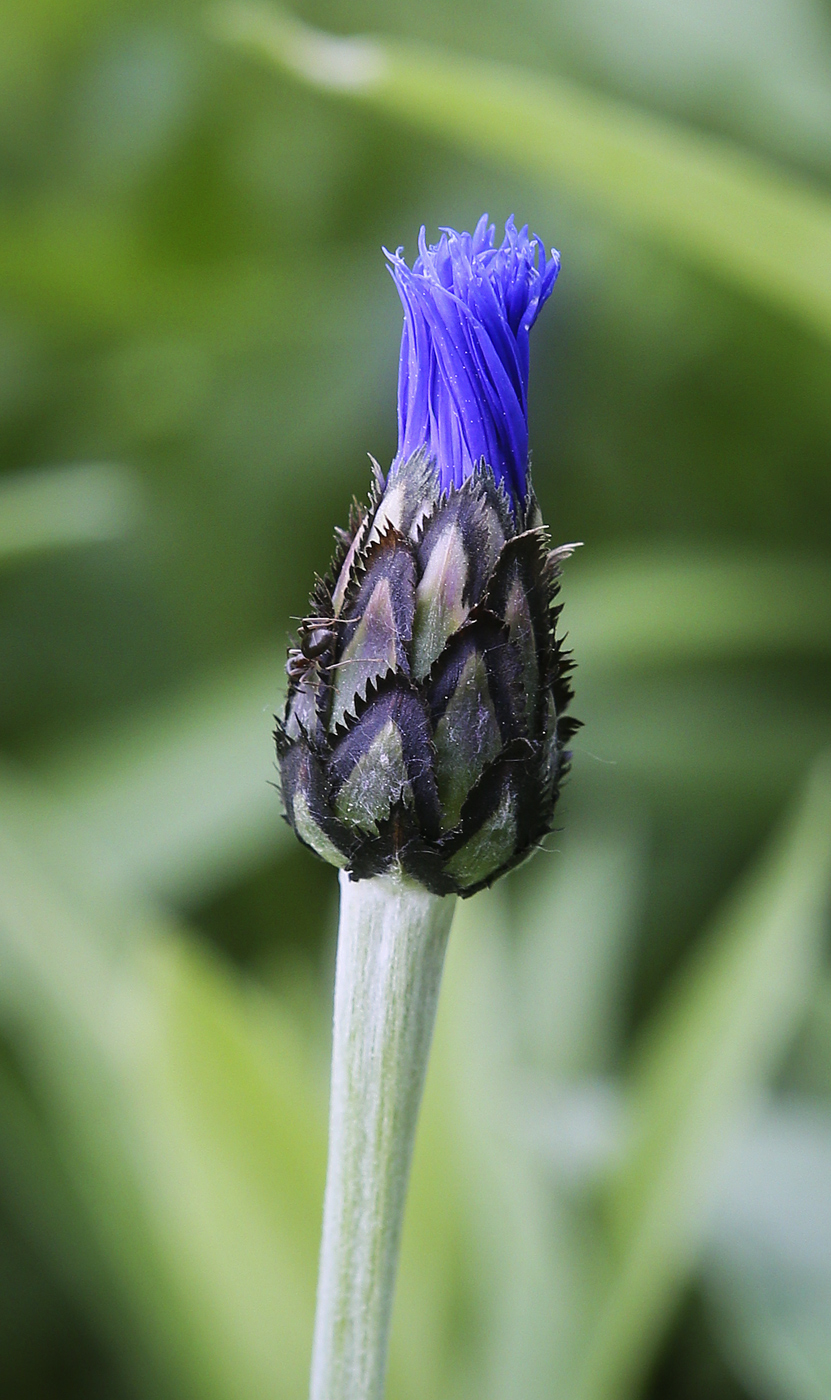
[(425, 728), (463, 374)]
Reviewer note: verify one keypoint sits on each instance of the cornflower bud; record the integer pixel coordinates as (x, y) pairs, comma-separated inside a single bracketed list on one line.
[(425, 725)]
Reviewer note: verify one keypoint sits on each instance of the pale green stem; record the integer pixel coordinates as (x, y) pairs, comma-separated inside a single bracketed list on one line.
[(391, 945)]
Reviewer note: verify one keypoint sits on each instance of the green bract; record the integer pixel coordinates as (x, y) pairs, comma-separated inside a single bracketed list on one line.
[(424, 725)]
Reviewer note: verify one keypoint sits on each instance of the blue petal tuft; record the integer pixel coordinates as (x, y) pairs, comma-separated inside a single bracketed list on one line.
[(463, 376)]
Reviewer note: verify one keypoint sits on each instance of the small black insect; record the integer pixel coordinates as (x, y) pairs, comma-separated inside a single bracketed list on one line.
[(317, 641)]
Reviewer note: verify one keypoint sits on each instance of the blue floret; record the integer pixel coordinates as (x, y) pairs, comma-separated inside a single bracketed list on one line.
[(463, 375)]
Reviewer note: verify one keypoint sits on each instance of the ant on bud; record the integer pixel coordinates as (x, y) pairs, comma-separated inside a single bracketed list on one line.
[(317, 637)]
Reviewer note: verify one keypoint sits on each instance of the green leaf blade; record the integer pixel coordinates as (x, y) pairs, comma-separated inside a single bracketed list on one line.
[(709, 1050), (757, 227)]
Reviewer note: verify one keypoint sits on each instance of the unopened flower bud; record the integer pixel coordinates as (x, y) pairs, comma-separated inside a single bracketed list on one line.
[(424, 726)]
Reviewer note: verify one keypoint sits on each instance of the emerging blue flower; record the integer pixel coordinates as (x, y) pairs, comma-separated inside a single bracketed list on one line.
[(463, 375), (425, 730)]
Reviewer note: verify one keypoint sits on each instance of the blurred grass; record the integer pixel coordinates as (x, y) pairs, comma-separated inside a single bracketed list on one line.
[(708, 200), (56, 509), (704, 1054), (197, 347)]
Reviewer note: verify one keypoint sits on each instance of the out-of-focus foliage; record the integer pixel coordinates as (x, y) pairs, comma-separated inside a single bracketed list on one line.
[(622, 1183)]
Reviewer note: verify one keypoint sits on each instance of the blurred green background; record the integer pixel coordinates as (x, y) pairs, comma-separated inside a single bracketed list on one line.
[(622, 1184)]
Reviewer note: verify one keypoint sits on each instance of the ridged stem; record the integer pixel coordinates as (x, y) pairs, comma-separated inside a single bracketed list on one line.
[(391, 944)]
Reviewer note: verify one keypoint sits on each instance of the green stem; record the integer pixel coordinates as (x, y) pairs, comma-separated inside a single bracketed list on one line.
[(391, 945)]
